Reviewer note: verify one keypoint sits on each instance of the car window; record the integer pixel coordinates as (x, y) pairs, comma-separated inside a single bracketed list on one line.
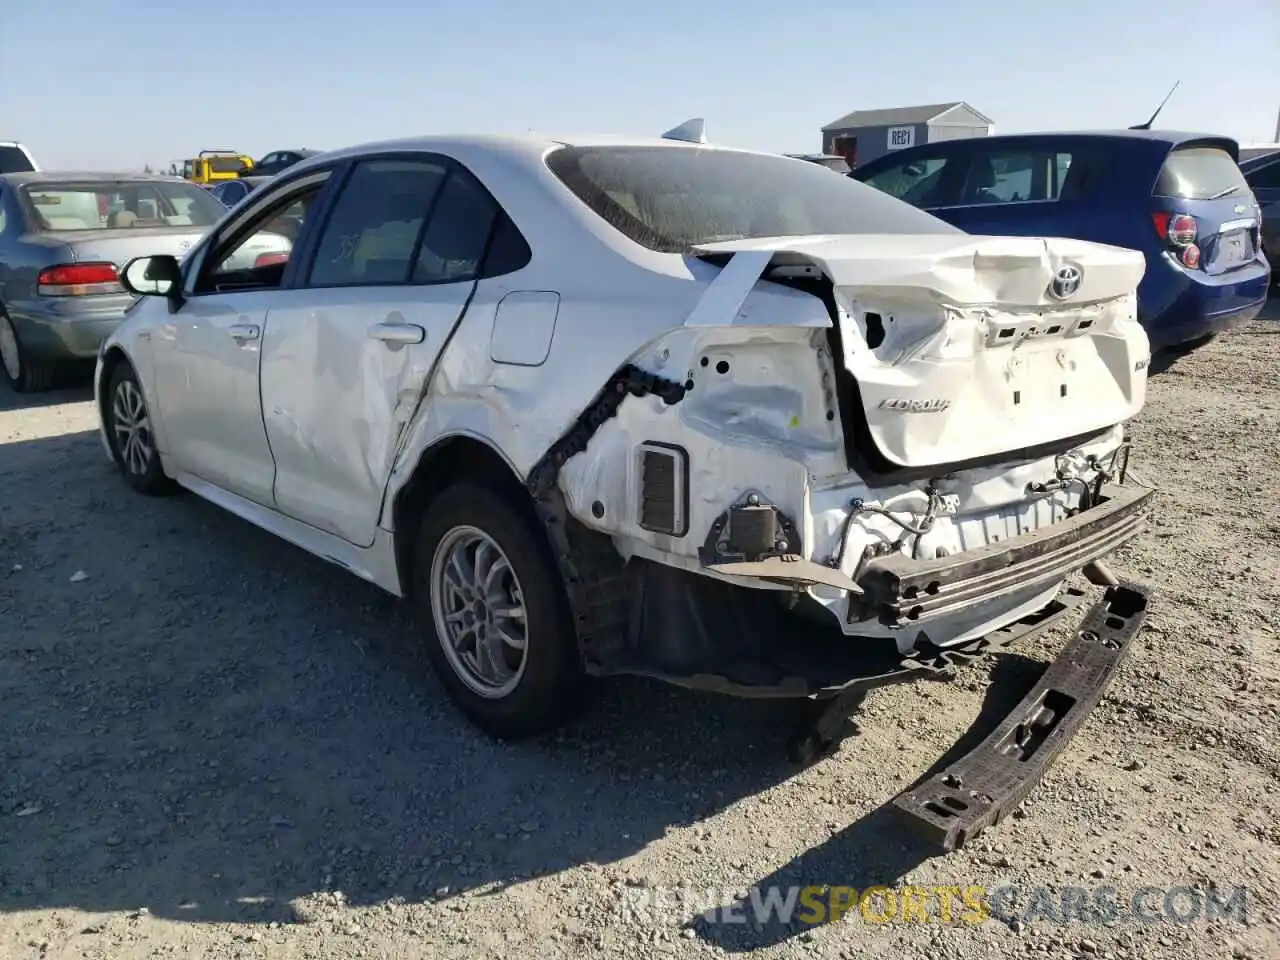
[(1029, 175), (118, 205), (225, 164), (372, 233), (1265, 177), (1200, 173), (2, 213), (670, 198), (256, 255), (458, 233), (915, 181), (1005, 176)]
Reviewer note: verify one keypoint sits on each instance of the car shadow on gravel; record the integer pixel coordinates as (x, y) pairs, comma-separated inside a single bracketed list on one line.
[(199, 719), (879, 849), (71, 386)]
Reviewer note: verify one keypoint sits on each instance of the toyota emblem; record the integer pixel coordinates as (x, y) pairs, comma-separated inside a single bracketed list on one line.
[(1066, 282)]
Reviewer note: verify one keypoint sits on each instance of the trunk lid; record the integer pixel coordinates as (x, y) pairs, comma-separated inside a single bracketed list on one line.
[(122, 244), (965, 347)]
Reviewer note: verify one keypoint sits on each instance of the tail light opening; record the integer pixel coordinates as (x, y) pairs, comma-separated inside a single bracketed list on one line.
[(1179, 231), (78, 280), (270, 259)]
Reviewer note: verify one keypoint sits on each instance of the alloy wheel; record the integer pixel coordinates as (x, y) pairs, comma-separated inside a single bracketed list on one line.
[(478, 608), (132, 427)]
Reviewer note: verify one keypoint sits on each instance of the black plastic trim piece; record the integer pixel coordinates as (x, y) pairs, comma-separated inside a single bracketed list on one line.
[(903, 590), (956, 804), (593, 572)]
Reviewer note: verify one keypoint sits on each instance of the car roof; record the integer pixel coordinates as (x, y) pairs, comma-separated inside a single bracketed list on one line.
[(1159, 136), (523, 146), (80, 176), (1167, 138)]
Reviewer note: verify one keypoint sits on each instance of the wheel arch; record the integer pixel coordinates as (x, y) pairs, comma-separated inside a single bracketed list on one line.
[(450, 459), (107, 365)]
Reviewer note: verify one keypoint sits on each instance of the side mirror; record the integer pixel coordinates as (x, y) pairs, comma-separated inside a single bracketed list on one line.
[(154, 276)]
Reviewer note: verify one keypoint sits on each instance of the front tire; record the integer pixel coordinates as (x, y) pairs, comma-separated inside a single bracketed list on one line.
[(128, 425), (23, 374), (495, 616)]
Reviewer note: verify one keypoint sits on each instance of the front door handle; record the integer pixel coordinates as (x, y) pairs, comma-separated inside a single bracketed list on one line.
[(245, 331), (398, 332)]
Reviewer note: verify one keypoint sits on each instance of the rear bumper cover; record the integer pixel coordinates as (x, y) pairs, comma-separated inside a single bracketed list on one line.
[(956, 803), (901, 591), (67, 328)]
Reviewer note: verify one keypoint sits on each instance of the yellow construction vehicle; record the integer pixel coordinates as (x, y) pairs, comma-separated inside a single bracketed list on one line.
[(215, 165)]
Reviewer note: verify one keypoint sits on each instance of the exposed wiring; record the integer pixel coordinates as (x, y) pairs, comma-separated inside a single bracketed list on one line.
[(857, 507)]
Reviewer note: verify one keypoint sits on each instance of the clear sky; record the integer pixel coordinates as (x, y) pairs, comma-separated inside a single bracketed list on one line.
[(120, 83)]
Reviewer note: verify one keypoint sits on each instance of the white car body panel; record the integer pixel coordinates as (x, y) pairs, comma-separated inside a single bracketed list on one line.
[(335, 399), (312, 429), (206, 385)]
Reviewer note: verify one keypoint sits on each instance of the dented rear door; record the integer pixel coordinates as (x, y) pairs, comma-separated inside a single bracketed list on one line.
[(342, 371), (347, 356)]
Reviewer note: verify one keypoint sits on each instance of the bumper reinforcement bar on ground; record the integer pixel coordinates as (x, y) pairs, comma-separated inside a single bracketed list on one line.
[(906, 591), (954, 805)]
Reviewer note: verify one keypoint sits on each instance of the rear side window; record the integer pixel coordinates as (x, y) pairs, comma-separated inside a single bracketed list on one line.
[(454, 243), (671, 198), (13, 160), (120, 205), (1036, 175), (1200, 173), (917, 182), (371, 234)]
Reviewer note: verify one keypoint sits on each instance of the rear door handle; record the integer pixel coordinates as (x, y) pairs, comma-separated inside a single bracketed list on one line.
[(398, 332), (245, 331)]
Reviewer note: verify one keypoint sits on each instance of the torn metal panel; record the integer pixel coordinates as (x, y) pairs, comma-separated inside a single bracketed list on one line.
[(935, 335)]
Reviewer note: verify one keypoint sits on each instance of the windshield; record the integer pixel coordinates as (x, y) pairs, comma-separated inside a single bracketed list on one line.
[(1200, 173), (120, 204), (672, 198)]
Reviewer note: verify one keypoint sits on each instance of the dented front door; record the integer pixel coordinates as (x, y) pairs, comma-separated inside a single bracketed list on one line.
[(342, 371)]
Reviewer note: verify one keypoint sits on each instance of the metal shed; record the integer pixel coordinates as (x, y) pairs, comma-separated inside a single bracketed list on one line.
[(867, 134)]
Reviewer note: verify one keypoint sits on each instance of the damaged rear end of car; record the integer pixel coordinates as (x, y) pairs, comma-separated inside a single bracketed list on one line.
[(864, 459)]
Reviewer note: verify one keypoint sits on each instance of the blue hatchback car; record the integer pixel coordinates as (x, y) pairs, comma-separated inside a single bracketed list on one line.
[(1180, 198)]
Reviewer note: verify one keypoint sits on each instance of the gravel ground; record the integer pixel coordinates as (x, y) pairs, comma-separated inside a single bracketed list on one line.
[(215, 745)]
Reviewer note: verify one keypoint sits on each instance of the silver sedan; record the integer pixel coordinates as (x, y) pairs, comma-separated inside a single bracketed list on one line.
[(63, 239)]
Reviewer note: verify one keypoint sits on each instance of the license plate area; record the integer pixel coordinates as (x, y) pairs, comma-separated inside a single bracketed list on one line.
[(1233, 249), (1037, 381)]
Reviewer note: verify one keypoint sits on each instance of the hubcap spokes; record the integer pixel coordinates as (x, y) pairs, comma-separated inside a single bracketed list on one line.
[(132, 427), (478, 607)]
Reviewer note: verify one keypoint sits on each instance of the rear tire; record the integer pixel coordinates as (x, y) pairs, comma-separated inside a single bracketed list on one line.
[(128, 424), (21, 372), (495, 617)]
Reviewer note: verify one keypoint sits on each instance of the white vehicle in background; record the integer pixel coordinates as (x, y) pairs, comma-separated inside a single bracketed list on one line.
[(15, 158), (640, 406)]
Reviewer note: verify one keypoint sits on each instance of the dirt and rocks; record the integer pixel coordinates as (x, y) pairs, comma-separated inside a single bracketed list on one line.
[(213, 745)]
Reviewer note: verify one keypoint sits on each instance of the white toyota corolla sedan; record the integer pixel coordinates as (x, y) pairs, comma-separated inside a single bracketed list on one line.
[(647, 406)]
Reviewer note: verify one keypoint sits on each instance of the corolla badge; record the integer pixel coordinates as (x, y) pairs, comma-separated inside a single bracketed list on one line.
[(1066, 282)]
